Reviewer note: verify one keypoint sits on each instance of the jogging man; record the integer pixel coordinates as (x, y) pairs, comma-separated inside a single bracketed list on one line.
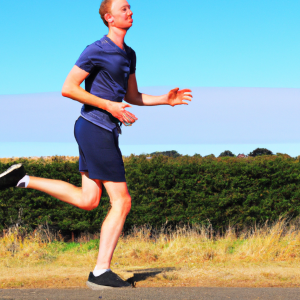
[(108, 68)]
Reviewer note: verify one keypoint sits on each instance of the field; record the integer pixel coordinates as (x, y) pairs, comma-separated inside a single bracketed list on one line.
[(258, 257)]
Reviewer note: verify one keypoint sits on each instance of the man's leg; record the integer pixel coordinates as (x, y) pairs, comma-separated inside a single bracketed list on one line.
[(86, 197), (113, 224)]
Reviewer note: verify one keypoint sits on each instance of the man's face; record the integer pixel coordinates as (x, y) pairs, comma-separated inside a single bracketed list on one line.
[(121, 13)]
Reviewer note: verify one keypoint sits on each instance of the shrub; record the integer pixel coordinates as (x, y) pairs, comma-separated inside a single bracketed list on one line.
[(166, 190), (172, 153)]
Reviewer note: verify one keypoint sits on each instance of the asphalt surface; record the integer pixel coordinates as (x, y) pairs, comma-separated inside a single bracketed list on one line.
[(173, 293)]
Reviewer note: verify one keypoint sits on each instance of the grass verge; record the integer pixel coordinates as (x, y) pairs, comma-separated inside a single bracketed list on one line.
[(263, 257)]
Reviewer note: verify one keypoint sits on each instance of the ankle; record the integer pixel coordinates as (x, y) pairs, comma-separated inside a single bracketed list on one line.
[(102, 267), (98, 272)]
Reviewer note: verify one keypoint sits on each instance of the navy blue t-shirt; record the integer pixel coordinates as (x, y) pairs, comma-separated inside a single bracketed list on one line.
[(109, 67)]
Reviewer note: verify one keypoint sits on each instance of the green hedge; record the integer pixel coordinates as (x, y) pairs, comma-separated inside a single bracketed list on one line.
[(222, 191)]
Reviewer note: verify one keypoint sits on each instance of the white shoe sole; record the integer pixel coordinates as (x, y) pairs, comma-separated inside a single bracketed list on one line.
[(96, 287), (13, 167)]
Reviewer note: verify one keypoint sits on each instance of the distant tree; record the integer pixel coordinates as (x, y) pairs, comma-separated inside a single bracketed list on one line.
[(172, 153), (260, 151), (210, 156), (226, 153)]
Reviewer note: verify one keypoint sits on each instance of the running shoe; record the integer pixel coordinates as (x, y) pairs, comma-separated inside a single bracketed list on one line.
[(11, 176), (107, 280)]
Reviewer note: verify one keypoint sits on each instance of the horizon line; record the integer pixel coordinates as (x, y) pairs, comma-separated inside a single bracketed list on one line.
[(173, 86)]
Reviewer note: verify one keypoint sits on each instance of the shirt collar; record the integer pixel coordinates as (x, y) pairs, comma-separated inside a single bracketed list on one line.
[(115, 46)]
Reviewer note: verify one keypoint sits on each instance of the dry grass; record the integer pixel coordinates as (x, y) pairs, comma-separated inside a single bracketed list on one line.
[(269, 256)]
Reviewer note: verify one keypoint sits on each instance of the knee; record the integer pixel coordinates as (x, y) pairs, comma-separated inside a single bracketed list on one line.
[(127, 205), (123, 205), (90, 203)]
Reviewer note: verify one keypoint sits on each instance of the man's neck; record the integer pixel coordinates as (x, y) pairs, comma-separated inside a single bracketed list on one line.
[(117, 35)]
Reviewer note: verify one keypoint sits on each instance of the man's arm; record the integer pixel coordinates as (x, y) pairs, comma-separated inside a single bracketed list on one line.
[(174, 97), (73, 90)]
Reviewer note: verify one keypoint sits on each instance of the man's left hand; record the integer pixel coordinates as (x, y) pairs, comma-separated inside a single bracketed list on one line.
[(176, 96)]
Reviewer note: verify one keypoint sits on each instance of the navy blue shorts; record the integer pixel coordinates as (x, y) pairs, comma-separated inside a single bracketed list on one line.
[(99, 152)]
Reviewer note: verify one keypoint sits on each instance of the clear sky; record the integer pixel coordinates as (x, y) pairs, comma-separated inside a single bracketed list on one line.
[(221, 43), (241, 57)]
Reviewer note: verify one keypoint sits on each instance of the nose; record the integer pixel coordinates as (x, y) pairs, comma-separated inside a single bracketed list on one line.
[(130, 13)]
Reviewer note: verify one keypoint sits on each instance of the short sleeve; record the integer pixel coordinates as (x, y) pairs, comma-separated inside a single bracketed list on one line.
[(133, 63), (84, 61)]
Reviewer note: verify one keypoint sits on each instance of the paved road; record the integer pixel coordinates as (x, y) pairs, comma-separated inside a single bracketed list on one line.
[(154, 293)]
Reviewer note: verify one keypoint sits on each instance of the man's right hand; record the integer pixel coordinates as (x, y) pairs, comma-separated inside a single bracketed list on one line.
[(117, 109), (73, 90)]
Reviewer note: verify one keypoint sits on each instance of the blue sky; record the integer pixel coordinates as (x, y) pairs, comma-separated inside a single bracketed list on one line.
[(189, 43), (229, 44)]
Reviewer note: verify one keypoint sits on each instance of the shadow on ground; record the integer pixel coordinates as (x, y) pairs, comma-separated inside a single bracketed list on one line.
[(140, 275)]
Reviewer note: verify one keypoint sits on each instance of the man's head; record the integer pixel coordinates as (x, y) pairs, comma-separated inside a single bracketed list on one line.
[(116, 13)]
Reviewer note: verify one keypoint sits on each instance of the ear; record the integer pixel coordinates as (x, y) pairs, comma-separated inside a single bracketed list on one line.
[(108, 18)]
